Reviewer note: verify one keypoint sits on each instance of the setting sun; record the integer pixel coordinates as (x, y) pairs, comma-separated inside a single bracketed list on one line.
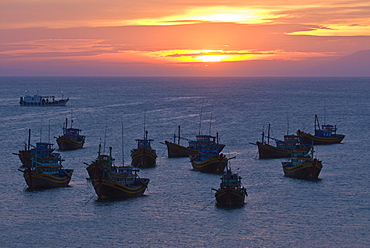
[(180, 37), (196, 56), (212, 58)]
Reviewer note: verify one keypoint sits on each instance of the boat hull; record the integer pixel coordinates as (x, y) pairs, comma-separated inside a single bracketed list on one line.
[(108, 189), (69, 144), (36, 180), (230, 197), (26, 158), (61, 102), (213, 165), (307, 138), (178, 151), (309, 170), (267, 151), (142, 158), (96, 169)]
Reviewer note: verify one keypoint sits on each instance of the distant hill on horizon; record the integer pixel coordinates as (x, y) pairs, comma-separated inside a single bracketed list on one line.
[(356, 64)]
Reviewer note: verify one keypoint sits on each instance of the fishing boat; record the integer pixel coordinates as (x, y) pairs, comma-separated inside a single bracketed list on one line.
[(71, 138), (102, 162), (209, 161), (302, 165), (324, 135), (47, 174), (175, 150), (143, 156), (231, 192), (116, 182), (43, 151), (37, 100), (282, 149)]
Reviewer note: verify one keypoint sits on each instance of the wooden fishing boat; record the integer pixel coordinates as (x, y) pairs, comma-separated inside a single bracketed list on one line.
[(324, 135), (71, 138), (115, 182), (42, 152), (302, 165), (231, 192), (103, 161), (143, 156), (38, 100), (209, 161), (175, 150), (282, 149), (178, 151), (47, 174), (120, 183)]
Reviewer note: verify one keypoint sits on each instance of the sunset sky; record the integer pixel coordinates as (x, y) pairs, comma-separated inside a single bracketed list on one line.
[(179, 38)]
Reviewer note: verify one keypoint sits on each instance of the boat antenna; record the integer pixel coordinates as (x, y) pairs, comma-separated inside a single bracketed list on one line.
[(123, 150), (29, 139), (105, 137), (40, 130), (49, 133), (200, 117), (324, 111), (287, 128), (144, 122), (210, 124), (178, 135), (71, 117)]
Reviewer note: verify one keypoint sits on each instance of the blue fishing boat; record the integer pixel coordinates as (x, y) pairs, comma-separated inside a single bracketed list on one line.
[(231, 192), (102, 162), (144, 156), (47, 174), (324, 135), (115, 182), (43, 151), (175, 150), (302, 165), (71, 138), (282, 148), (209, 161)]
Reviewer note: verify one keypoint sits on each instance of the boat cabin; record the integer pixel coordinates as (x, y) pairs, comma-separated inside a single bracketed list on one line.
[(327, 131)]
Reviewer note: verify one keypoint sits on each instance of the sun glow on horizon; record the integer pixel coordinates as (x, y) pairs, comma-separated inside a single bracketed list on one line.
[(208, 56)]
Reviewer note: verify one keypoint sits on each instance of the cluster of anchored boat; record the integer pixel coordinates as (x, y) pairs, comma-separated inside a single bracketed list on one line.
[(300, 149), (43, 167)]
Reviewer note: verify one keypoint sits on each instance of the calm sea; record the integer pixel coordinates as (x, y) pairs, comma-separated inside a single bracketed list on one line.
[(178, 210)]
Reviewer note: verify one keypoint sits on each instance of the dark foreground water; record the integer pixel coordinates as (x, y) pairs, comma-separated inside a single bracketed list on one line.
[(179, 208)]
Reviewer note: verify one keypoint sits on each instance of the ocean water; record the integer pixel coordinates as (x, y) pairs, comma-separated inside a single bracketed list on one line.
[(179, 210)]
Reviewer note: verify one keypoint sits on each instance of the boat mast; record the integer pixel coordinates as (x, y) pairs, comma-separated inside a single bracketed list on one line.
[(40, 130), (49, 133), (210, 125), (317, 122), (200, 117), (123, 151), (268, 135), (105, 137), (287, 128), (29, 139), (144, 125), (178, 135)]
